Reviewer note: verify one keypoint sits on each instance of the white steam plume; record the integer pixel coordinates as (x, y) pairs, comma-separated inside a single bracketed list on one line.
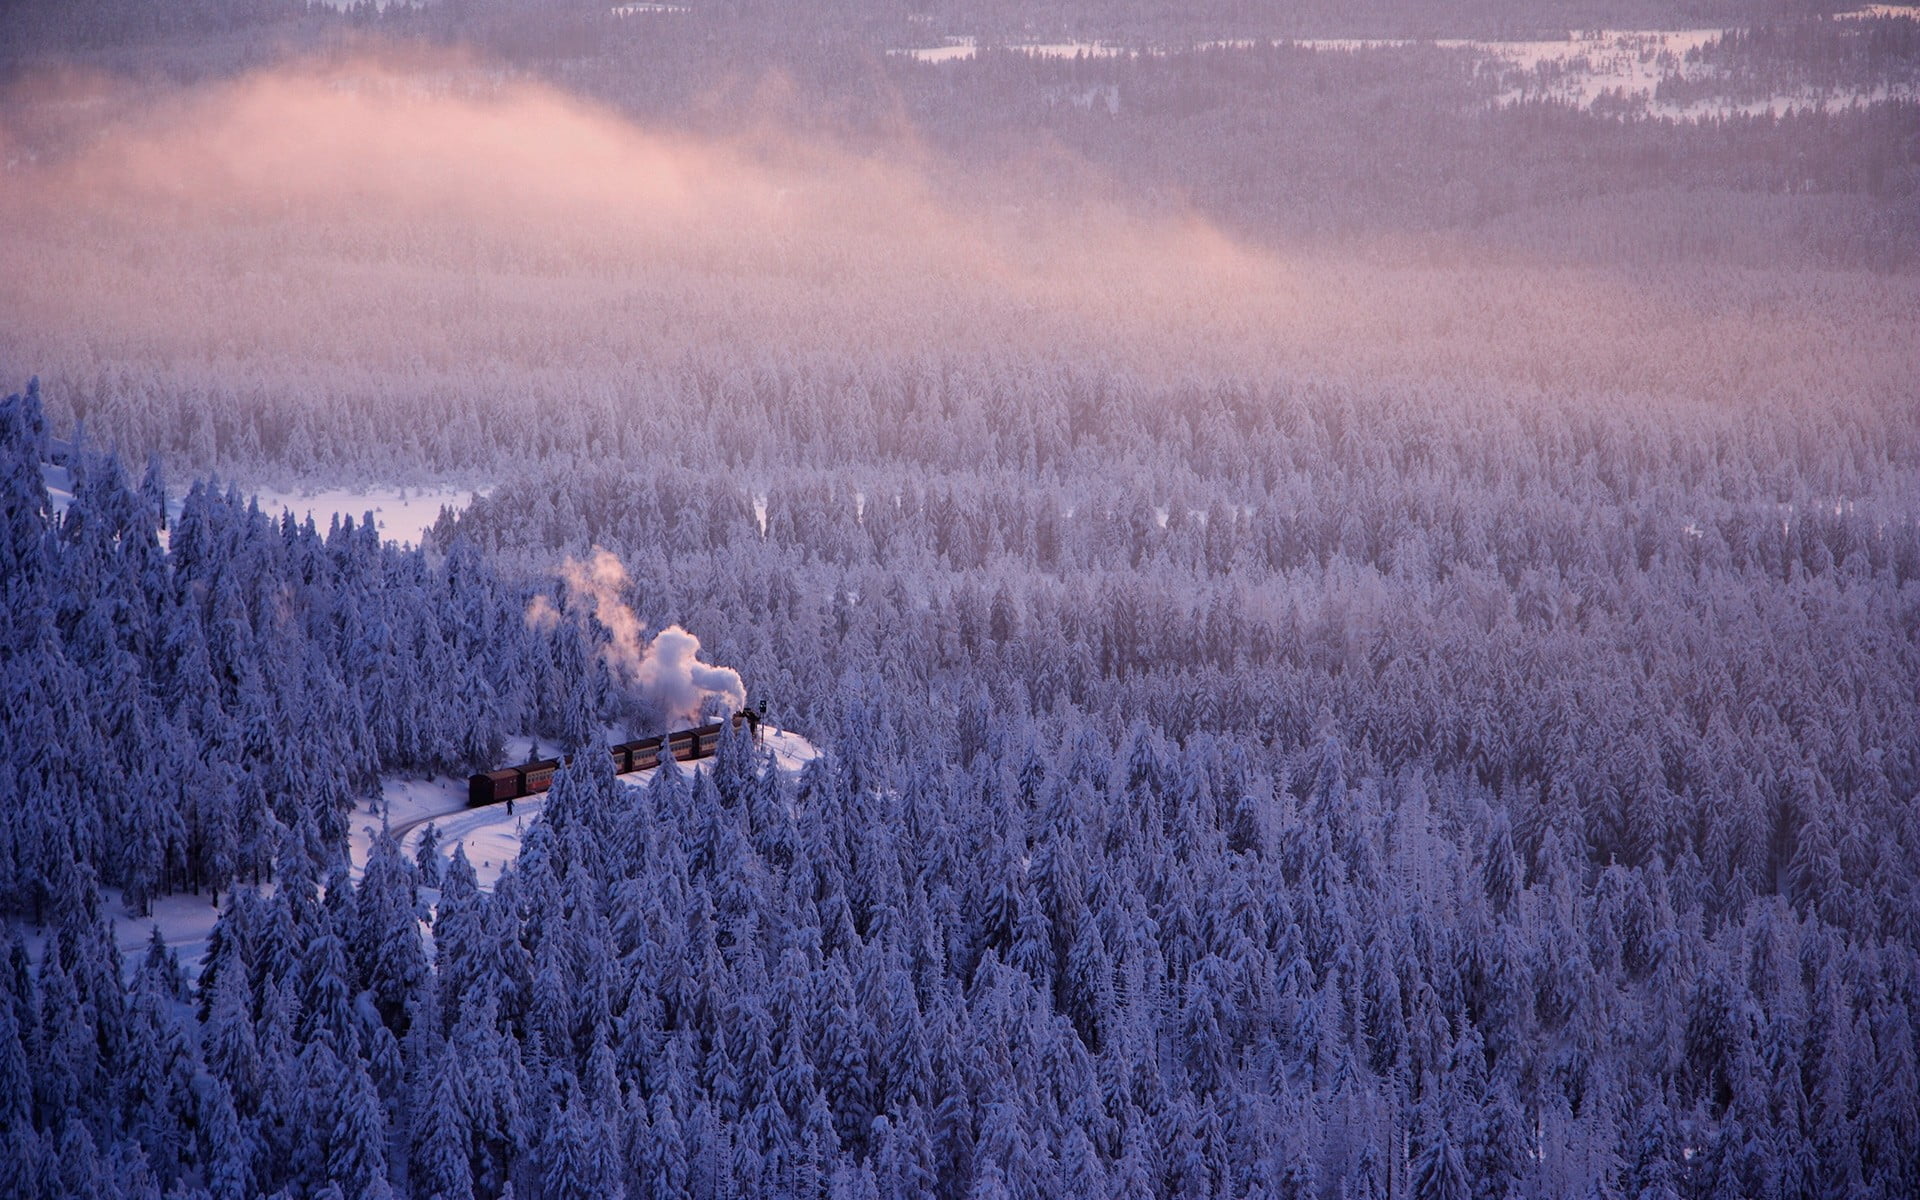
[(664, 674), (674, 676)]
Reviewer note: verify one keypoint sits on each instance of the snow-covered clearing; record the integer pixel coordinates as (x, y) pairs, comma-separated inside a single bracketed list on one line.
[(185, 921), (400, 514), (960, 48)]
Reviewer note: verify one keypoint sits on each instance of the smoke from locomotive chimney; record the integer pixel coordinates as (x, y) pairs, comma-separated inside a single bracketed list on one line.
[(663, 675)]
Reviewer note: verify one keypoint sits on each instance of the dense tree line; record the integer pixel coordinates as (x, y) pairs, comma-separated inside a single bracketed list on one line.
[(1089, 967), (1513, 599), (1864, 51), (80, 26), (1327, 795)]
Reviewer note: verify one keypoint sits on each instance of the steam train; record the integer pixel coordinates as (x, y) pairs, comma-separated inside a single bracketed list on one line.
[(511, 783)]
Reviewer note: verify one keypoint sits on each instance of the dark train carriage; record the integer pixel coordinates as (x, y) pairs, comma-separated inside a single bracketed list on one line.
[(491, 787)]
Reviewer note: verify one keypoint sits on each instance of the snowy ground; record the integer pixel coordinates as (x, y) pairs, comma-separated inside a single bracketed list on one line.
[(59, 483), (491, 836), (185, 922)]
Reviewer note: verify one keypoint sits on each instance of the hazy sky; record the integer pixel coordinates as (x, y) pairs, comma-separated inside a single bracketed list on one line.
[(352, 221)]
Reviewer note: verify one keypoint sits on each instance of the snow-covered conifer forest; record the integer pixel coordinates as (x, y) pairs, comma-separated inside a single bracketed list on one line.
[(1354, 571)]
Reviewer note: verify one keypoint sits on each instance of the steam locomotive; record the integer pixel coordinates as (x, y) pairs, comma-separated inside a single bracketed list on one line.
[(511, 783)]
